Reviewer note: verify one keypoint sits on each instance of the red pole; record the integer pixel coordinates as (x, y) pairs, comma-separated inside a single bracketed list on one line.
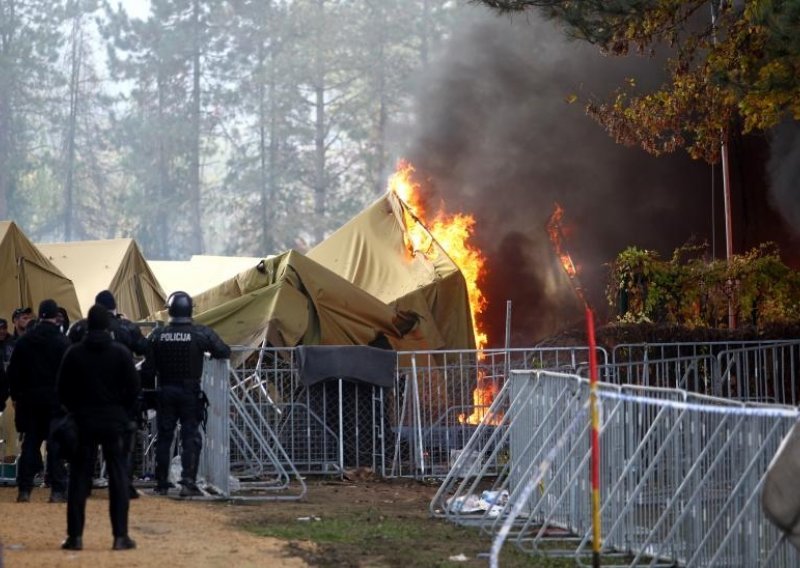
[(595, 433)]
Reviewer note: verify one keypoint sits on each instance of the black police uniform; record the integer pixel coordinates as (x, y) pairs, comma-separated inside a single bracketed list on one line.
[(127, 333), (177, 353), (32, 380), (98, 383), (122, 330)]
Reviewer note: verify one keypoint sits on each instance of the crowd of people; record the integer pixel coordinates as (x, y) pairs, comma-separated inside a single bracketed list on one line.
[(75, 388)]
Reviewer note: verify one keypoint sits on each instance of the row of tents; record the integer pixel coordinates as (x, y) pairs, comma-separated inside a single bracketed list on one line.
[(359, 286)]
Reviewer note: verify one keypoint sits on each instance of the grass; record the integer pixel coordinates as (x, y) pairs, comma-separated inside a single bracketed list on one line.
[(373, 538)]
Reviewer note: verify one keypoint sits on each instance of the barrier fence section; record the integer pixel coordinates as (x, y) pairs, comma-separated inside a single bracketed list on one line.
[(415, 429), (681, 475), (745, 371)]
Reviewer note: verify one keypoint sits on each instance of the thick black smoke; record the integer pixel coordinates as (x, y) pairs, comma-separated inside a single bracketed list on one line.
[(784, 172), (497, 138)]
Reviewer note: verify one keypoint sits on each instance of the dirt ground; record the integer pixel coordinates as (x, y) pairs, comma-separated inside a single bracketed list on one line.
[(343, 523), (167, 532)]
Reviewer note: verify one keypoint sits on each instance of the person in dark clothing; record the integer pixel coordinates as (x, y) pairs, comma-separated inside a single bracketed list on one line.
[(3, 387), (32, 384), (6, 343), (6, 348), (127, 333), (176, 358), (20, 319), (63, 320), (122, 330), (98, 384)]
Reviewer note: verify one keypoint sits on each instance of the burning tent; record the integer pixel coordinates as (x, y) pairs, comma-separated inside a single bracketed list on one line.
[(113, 264), (372, 251), (200, 272), (27, 276), (289, 300)]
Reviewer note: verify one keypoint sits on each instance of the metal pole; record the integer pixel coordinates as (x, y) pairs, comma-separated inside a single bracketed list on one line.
[(595, 439), (726, 192), (726, 182), (341, 430), (508, 338)]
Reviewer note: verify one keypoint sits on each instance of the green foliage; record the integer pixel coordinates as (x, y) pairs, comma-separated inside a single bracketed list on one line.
[(692, 291)]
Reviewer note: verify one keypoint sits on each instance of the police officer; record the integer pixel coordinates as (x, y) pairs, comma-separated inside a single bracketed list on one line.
[(120, 328), (98, 384), (127, 333), (32, 380), (176, 358)]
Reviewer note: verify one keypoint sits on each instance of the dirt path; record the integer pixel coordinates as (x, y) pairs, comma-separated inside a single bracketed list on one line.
[(168, 533)]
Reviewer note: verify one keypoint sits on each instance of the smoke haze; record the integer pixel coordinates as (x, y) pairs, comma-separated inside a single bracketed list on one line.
[(784, 171)]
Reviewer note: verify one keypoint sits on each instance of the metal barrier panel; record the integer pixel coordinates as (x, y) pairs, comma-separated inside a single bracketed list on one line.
[(215, 465), (417, 429), (441, 397), (764, 373), (697, 373), (681, 475), (639, 352)]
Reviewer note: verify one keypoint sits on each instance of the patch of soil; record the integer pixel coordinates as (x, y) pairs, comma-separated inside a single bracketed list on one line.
[(167, 533)]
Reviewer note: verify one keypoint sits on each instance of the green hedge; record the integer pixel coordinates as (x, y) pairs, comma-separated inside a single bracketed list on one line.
[(693, 291)]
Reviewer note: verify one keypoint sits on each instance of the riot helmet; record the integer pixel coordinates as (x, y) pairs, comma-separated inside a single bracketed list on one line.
[(179, 307)]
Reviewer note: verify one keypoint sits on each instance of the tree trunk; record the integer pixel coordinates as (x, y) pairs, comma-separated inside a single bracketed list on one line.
[(163, 202), (383, 113), (320, 182), (196, 225), (69, 145), (6, 109)]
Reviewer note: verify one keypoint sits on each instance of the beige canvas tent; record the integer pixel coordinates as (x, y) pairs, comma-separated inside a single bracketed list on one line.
[(289, 299), (370, 252), (200, 273), (27, 276), (114, 264)]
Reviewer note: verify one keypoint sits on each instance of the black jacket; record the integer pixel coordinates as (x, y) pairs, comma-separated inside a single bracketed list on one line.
[(98, 383), (177, 352), (7, 348), (34, 365), (3, 387), (121, 329)]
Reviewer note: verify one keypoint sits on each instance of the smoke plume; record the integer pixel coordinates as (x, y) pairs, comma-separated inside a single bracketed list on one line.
[(497, 137)]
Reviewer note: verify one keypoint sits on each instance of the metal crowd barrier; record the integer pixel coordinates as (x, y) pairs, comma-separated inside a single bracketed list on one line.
[(681, 475), (415, 429), (745, 371)]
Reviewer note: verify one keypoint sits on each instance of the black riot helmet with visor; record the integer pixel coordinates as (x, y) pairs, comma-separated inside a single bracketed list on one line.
[(179, 307)]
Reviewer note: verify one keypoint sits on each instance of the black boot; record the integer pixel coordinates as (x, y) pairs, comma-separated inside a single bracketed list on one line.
[(72, 543), (123, 543), (23, 496), (190, 489)]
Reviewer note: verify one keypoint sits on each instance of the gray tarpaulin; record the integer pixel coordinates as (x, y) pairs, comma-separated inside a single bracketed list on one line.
[(369, 364)]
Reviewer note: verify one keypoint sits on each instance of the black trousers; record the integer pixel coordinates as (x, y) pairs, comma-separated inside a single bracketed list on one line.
[(38, 430), (184, 404), (80, 481)]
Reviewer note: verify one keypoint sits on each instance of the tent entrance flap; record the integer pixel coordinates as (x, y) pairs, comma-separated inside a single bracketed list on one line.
[(362, 363)]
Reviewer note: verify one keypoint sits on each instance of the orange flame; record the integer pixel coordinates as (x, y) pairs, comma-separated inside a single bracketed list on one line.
[(482, 398), (452, 232), (555, 230)]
